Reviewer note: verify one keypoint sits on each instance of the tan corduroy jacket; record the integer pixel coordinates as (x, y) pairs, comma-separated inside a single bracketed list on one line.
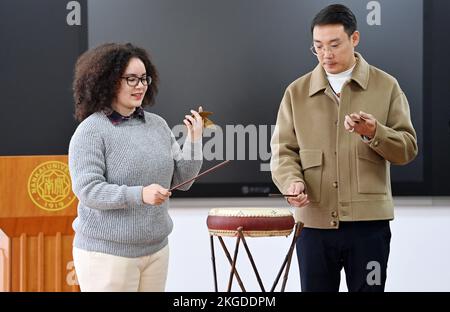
[(346, 178)]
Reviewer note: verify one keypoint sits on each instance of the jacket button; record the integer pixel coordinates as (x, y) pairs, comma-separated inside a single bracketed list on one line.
[(375, 143), (333, 223), (335, 184), (334, 214)]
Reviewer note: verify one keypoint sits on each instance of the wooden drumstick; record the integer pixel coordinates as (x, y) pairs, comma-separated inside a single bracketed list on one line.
[(201, 174), (282, 195)]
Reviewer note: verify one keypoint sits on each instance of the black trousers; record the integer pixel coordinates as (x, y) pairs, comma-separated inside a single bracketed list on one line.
[(361, 248)]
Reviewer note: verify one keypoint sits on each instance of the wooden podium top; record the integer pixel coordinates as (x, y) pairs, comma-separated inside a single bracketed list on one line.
[(36, 186)]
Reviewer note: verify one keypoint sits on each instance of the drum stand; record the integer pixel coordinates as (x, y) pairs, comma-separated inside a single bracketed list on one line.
[(241, 237)]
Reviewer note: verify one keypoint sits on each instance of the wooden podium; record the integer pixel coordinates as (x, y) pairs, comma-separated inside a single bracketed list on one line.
[(37, 208)]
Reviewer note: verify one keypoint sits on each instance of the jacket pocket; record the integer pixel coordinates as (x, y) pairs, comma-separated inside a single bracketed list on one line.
[(371, 171), (311, 162)]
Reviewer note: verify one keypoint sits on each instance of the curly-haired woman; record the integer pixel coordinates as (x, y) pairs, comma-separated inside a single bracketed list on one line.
[(123, 161)]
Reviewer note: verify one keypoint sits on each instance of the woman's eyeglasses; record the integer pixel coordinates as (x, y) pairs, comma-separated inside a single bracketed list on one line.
[(133, 81)]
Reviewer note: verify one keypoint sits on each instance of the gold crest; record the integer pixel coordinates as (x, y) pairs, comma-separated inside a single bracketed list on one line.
[(49, 186)]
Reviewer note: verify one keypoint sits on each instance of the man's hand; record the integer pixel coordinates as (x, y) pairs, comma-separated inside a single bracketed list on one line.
[(362, 123), (301, 200)]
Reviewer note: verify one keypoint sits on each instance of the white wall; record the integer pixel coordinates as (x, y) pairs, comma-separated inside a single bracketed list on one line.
[(419, 259)]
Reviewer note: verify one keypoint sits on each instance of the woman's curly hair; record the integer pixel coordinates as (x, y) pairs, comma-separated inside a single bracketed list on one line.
[(98, 75)]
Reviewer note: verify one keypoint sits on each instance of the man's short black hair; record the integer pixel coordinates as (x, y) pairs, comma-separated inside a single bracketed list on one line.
[(336, 14)]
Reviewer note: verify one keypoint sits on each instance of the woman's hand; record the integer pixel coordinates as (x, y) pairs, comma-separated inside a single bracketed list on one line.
[(155, 194), (194, 125)]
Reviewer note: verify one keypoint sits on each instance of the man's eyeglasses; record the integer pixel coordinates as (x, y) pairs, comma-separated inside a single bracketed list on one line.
[(133, 81), (321, 50)]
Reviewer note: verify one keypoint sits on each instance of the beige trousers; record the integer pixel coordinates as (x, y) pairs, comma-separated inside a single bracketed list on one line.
[(103, 272)]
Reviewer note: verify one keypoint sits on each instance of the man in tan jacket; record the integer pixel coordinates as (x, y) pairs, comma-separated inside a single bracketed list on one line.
[(338, 130)]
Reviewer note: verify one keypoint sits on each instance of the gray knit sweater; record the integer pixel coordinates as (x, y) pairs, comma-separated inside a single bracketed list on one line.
[(109, 166)]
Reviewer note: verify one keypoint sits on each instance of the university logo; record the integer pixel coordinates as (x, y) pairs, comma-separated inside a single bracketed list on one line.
[(49, 186)]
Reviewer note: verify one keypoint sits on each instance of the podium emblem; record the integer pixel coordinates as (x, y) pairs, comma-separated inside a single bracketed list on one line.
[(50, 187)]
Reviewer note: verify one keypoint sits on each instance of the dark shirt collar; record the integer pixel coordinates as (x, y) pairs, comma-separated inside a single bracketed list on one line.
[(117, 118)]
